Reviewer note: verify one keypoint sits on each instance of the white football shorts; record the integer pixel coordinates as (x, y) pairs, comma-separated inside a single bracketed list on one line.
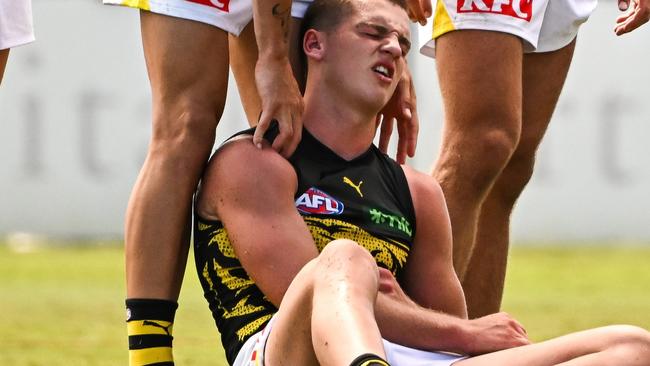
[(543, 25), (252, 353), (229, 15), (16, 27)]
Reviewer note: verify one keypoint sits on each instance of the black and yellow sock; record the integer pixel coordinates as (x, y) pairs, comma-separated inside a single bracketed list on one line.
[(149, 323), (369, 359)]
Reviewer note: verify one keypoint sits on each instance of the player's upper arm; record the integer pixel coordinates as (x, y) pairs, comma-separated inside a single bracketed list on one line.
[(252, 191), (429, 278)]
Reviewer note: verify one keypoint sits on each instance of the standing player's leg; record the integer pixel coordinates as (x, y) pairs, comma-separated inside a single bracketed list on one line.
[(187, 64), (480, 80), (4, 55), (543, 78), (327, 315)]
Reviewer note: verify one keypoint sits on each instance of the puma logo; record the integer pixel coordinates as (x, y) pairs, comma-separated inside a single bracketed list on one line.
[(357, 187), (154, 324)]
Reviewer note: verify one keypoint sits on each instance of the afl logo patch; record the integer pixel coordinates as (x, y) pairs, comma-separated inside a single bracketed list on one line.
[(315, 201)]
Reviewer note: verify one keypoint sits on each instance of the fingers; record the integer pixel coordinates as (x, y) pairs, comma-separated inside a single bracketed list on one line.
[(419, 10), (285, 143), (262, 126), (635, 17), (385, 132)]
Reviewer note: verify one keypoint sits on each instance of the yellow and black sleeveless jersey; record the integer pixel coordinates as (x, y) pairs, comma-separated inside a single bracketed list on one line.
[(366, 200)]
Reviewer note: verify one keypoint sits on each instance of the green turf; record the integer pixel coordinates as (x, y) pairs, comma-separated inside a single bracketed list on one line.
[(64, 306)]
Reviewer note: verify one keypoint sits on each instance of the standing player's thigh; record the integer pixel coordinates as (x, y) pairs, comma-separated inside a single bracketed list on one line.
[(479, 74), (187, 63)]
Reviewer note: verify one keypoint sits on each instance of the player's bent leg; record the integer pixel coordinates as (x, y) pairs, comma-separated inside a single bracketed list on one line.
[(612, 345), (327, 315), (543, 78), (4, 55), (480, 80)]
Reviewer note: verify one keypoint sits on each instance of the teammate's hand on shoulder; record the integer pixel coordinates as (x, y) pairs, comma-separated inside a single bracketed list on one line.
[(637, 13), (402, 107), (281, 101), (494, 332)]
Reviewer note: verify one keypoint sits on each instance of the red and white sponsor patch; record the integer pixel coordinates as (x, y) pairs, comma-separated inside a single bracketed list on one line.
[(522, 9), (219, 4), (315, 201)]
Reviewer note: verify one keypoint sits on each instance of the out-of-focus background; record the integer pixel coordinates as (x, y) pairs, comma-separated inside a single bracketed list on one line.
[(74, 127)]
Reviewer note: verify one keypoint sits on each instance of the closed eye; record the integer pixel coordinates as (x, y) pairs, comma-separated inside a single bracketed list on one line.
[(377, 31)]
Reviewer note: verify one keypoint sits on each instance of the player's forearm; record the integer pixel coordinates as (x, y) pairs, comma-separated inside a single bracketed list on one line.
[(272, 21), (408, 324)]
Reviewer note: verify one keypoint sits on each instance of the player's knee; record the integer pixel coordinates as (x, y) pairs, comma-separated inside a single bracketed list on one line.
[(630, 335), (347, 257), (495, 148), (514, 179), (186, 128)]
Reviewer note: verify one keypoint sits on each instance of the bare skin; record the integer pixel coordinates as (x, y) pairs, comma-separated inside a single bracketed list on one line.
[(402, 107), (312, 290), (4, 55), (187, 64), (496, 114), (487, 270), (637, 13)]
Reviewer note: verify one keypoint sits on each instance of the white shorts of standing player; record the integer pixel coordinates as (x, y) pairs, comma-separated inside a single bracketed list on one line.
[(229, 15), (543, 25), (16, 26)]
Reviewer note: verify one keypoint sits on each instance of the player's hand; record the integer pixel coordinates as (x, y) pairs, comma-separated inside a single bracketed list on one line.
[(494, 332), (419, 10), (281, 101), (402, 107), (637, 13)]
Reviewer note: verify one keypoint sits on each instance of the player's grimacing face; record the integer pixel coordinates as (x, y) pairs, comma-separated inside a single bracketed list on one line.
[(371, 49)]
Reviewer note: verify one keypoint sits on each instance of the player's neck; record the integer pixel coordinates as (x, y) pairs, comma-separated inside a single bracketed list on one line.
[(348, 131)]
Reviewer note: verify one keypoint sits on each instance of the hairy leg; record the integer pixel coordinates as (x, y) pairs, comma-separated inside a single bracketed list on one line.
[(4, 55), (243, 58), (543, 78), (187, 64), (480, 81), (613, 345), (327, 315)]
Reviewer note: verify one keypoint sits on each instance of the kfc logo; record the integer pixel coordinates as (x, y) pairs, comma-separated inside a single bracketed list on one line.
[(219, 4), (522, 9)]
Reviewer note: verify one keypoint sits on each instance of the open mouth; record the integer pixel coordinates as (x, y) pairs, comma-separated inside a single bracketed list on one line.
[(383, 70)]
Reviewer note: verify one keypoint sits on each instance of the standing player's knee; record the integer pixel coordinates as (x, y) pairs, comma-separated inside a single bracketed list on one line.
[(490, 152), (514, 179), (183, 133)]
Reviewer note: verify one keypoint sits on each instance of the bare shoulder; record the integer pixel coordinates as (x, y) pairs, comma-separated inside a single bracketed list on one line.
[(240, 173), (424, 188)]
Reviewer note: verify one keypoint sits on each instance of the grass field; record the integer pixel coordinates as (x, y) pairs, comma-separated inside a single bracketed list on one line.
[(64, 306)]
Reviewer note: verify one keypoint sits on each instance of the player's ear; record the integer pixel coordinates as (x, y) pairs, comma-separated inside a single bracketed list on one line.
[(314, 44)]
